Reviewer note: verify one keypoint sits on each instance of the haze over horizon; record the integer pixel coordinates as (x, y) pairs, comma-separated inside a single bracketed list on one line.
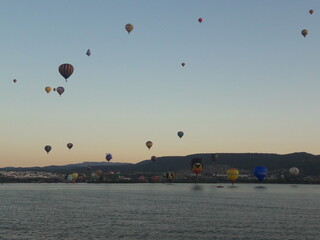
[(250, 82)]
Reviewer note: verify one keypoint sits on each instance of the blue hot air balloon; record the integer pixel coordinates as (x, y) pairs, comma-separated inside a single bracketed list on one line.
[(260, 172)]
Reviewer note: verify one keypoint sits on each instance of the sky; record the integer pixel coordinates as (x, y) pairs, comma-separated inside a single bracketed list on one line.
[(250, 81)]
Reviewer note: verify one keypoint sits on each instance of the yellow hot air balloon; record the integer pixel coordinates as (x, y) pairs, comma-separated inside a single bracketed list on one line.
[(149, 144), (48, 89), (129, 27), (232, 174), (75, 176)]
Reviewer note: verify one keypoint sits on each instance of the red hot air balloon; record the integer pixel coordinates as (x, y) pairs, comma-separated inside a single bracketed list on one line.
[(60, 90), (200, 20), (66, 70)]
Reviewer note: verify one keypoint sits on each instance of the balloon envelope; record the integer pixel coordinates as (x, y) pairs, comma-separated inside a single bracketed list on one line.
[(304, 32), (180, 134), (66, 70), (69, 145), (260, 172), (108, 157), (294, 171), (170, 176), (60, 90), (88, 52), (14, 80), (196, 165), (311, 11), (149, 144), (200, 20), (183, 64), (47, 148), (129, 27), (47, 89), (232, 174)]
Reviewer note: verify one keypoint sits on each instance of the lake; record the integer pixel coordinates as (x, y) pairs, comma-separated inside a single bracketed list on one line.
[(159, 211)]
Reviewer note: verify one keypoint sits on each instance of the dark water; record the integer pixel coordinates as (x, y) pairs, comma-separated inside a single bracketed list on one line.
[(159, 211)]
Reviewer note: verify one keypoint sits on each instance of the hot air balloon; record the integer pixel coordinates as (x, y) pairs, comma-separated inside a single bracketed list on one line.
[(260, 172), (153, 158), (54, 89), (47, 89), (129, 27), (47, 148), (294, 171), (232, 175), (14, 80), (69, 177), (200, 20), (311, 11), (180, 134), (170, 176), (196, 165), (88, 52), (69, 145), (74, 176), (304, 32), (60, 90), (66, 70), (108, 157), (183, 64), (214, 157), (149, 144)]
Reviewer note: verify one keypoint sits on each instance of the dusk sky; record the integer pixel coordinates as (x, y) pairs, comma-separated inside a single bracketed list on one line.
[(251, 82)]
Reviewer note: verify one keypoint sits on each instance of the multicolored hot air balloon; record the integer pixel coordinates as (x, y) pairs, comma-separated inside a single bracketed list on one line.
[(88, 52), (311, 11), (260, 172), (196, 165), (48, 148), (232, 175), (183, 64), (180, 134), (153, 158), (149, 144), (108, 157), (66, 70), (14, 80), (304, 32), (69, 145), (60, 90), (200, 20), (294, 171), (47, 89), (129, 27)]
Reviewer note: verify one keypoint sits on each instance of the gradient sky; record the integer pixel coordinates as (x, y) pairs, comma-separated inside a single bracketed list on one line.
[(251, 81)]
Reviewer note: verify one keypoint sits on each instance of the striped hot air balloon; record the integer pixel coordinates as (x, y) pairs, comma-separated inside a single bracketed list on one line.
[(66, 70)]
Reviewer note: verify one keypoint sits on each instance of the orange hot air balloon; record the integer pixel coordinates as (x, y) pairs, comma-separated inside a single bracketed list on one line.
[(48, 89), (66, 70), (129, 27), (149, 144)]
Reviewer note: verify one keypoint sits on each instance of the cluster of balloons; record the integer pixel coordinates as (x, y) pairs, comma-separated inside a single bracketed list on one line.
[(48, 148), (304, 32), (170, 176)]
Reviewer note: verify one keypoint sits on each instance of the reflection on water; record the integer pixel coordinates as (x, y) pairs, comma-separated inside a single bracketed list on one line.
[(197, 187), (260, 187), (158, 211)]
